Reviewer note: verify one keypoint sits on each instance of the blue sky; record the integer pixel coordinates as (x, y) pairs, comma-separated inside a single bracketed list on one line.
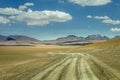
[(49, 19)]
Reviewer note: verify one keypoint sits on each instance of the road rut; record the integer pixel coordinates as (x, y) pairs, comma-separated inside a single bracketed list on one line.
[(77, 66)]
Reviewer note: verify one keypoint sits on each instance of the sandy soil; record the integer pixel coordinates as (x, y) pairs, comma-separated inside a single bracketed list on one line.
[(77, 66)]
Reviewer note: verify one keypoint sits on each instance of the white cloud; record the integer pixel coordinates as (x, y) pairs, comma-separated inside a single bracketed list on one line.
[(105, 19), (115, 29), (25, 6), (4, 20), (101, 17), (40, 18), (110, 21), (29, 4), (89, 16), (90, 2), (9, 11), (34, 18)]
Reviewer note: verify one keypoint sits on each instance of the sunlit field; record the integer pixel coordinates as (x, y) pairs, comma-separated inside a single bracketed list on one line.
[(29, 62), (59, 39), (22, 60)]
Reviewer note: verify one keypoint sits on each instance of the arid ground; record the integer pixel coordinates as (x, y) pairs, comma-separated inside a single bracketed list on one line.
[(99, 61)]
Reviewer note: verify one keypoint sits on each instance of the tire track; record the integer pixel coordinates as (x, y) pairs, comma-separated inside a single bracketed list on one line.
[(70, 73), (77, 66), (54, 75), (83, 70), (87, 73), (40, 75), (78, 71)]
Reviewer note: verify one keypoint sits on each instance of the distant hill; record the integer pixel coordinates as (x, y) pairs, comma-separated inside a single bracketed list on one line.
[(20, 38), (96, 37), (116, 37), (17, 40), (2, 38), (89, 37), (72, 39), (68, 40)]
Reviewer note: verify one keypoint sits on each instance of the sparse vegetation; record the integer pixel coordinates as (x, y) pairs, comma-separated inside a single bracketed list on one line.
[(24, 62)]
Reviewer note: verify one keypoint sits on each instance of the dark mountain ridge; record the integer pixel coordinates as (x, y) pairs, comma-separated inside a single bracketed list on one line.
[(96, 37), (18, 40), (70, 39)]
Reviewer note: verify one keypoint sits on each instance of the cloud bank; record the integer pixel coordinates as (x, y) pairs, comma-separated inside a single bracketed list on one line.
[(105, 19), (40, 18), (33, 18)]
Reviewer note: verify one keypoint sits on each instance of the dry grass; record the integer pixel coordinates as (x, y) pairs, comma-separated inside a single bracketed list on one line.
[(16, 60), (107, 52), (10, 54)]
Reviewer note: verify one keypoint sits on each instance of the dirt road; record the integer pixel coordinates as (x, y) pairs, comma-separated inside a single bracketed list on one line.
[(77, 66)]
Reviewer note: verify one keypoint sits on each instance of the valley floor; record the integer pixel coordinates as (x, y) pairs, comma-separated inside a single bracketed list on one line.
[(70, 66), (77, 66), (59, 63)]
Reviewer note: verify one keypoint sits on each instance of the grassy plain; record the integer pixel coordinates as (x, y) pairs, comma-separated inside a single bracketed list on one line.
[(21, 60), (107, 52), (18, 62)]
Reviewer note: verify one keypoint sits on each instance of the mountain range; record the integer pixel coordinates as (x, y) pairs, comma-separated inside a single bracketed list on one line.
[(70, 39), (17, 40)]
